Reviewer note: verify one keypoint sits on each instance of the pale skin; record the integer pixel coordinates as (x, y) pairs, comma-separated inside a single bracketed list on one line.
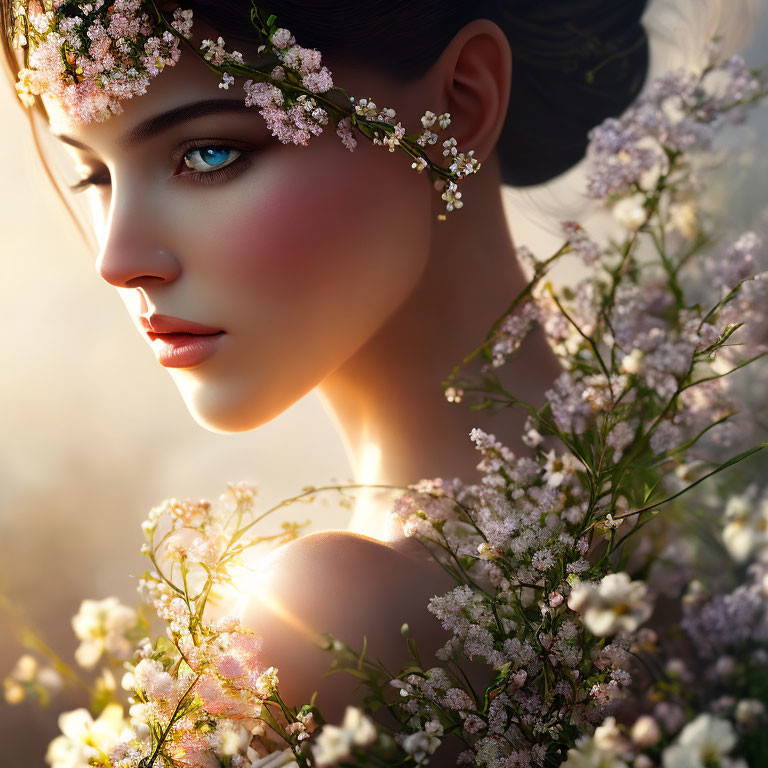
[(327, 270)]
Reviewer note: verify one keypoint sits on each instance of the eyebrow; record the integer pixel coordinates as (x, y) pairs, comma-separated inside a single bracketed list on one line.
[(156, 125)]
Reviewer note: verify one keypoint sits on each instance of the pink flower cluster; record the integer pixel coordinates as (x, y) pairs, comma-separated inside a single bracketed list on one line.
[(89, 63), (293, 121)]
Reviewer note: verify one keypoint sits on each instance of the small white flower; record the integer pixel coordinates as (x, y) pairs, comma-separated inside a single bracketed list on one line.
[(683, 219), (632, 362), (100, 625), (50, 679), (419, 164), (444, 120), (182, 22), (463, 164), (746, 529), (645, 732), (367, 109), (387, 115), (449, 147), (234, 739), (630, 211), (429, 119), (532, 438), (452, 197), (427, 138), (26, 669), (226, 81), (608, 738), (615, 604), (74, 748), (421, 745), (705, 742), (335, 743), (587, 754), (560, 469)]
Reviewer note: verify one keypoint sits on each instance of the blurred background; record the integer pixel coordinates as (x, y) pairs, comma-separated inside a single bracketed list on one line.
[(94, 432)]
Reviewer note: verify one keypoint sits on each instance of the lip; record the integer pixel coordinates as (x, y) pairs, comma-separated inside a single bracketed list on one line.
[(180, 343)]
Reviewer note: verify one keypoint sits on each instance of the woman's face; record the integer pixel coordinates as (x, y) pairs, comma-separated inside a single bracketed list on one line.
[(298, 254)]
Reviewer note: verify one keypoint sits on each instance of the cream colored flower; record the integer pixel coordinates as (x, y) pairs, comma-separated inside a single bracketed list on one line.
[(649, 178), (632, 362), (428, 120), (26, 669), (630, 211), (560, 469), (234, 740), (615, 604), (13, 692), (683, 219), (645, 732), (746, 529), (705, 742), (587, 754), (267, 683), (84, 738), (335, 743), (608, 738), (100, 625)]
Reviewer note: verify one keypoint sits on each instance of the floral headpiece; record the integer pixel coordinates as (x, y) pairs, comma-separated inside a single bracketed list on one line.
[(88, 57)]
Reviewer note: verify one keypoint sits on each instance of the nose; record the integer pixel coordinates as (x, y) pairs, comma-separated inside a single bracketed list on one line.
[(129, 267), (133, 252)]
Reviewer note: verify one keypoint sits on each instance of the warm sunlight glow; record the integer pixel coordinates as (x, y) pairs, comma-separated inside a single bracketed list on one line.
[(255, 595), (369, 518)]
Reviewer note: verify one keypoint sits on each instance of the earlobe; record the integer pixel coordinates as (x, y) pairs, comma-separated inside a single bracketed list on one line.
[(478, 74)]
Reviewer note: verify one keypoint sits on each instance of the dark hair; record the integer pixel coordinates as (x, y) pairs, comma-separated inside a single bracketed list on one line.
[(575, 62)]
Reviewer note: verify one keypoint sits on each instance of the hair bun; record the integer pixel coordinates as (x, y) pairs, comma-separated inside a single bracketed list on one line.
[(575, 63)]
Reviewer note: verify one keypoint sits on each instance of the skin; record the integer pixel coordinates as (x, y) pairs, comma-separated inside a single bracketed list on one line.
[(327, 269)]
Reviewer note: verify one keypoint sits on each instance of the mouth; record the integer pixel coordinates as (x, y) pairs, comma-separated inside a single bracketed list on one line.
[(184, 349), (180, 343)]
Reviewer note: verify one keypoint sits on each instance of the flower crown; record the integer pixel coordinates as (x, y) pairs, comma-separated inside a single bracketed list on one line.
[(88, 57)]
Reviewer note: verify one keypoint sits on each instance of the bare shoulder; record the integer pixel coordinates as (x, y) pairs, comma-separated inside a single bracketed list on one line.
[(356, 588)]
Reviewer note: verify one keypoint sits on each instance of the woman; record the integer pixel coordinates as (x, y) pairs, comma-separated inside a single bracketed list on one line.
[(321, 268)]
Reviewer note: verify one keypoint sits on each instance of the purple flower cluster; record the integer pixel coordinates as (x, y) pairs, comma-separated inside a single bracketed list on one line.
[(679, 112)]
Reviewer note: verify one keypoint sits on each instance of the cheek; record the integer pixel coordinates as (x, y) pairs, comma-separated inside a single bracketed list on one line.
[(321, 234)]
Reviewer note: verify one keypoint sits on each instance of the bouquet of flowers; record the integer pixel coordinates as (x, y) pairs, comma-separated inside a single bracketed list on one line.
[(611, 635)]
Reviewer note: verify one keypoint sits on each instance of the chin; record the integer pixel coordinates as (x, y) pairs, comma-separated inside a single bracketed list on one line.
[(231, 409)]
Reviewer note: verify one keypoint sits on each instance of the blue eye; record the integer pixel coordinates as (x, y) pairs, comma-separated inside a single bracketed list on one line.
[(206, 159)]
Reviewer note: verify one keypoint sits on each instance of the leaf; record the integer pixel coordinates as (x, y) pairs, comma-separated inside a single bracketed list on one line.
[(498, 683), (734, 460)]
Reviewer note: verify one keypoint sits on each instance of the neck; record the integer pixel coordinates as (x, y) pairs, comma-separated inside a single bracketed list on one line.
[(387, 400)]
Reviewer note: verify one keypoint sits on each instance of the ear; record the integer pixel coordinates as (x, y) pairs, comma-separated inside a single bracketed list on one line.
[(476, 74)]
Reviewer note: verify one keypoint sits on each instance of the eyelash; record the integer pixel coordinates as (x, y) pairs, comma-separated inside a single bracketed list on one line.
[(102, 178)]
